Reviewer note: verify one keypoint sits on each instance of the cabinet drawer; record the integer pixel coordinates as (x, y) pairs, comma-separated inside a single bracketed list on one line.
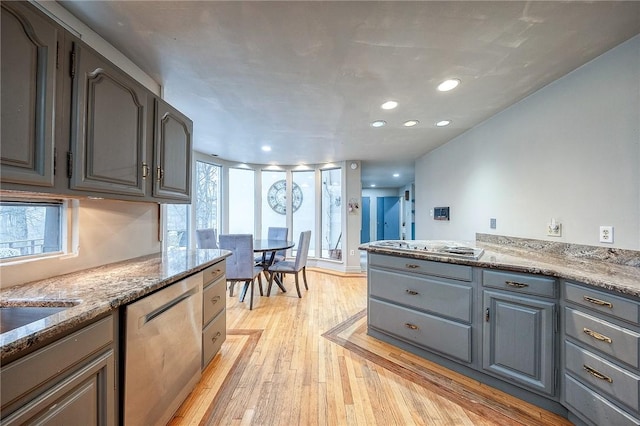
[(521, 283), (214, 300), (431, 332), (213, 272), (606, 303), (448, 299), (440, 269), (603, 375), (611, 339), (213, 336), (595, 408)]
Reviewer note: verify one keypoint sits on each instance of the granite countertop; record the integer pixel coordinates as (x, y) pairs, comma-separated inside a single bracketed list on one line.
[(612, 269), (95, 292)]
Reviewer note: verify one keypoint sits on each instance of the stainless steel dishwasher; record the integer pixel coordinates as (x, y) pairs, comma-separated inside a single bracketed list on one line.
[(163, 350)]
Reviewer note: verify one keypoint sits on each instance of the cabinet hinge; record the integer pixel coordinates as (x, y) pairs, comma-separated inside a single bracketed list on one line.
[(69, 164), (486, 315), (72, 69)]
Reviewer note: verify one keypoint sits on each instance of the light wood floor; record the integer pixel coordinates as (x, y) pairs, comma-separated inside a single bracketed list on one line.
[(309, 361)]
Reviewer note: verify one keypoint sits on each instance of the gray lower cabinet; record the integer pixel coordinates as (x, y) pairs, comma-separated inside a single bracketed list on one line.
[(109, 132), (426, 304), (70, 381), (30, 88), (214, 313), (518, 340), (601, 356)]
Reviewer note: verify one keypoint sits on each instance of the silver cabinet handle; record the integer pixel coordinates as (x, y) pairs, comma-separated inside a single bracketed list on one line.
[(411, 292), (598, 302), (214, 338), (597, 335), (516, 284), (595, 373), (411, 326), (411, 265)]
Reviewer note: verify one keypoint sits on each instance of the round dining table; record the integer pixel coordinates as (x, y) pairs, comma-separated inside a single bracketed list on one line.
[(268, 248)]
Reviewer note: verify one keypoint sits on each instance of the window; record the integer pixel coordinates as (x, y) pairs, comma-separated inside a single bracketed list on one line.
[(207, 196), (331, 213), (241, 201), (274, 200), (31, 228), (304, 207), (177, 220)]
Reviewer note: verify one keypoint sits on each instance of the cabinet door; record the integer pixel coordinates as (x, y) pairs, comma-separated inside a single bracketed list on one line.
[(518, 340), (28, 81), (109, 134), (172, 151)]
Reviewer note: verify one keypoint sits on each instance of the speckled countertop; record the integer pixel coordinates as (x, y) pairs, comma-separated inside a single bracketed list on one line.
[(94, 292), (612, 269)]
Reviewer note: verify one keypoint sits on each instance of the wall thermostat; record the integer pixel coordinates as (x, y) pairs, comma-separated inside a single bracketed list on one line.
[(441, 213)]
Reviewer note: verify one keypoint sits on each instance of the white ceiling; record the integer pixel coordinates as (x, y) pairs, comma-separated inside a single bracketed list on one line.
[(308, 78)]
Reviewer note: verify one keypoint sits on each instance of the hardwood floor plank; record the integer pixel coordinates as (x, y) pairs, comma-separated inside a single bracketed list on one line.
[(309, 361)]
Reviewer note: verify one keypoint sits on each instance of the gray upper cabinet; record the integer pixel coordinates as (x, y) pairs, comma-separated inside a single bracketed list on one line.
[(518, 340), (29, 81), (172, 152), (109, 131)]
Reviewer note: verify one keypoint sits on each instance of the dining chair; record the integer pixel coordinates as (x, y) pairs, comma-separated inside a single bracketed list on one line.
[(206, 238), (240, 266), (295, 266), (276, 233)]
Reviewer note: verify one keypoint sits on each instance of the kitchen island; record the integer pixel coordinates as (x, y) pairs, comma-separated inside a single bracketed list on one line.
[(555, 324)]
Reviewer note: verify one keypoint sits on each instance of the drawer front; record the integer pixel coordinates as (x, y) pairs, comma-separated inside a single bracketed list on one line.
[(621, 308), (444, 336), (213, 336), (440, 269), (214, 300), (609, 338), (214, 272), (603, 375), (450, 299), (595, 408), (521, 283)]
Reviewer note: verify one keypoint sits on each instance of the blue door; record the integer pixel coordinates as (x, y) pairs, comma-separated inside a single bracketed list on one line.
[(365, 229), (388, 220)]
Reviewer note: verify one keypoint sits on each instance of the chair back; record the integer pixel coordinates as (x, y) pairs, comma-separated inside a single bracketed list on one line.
[(240, 264), (302, 250), (275, 233), (206, 238)]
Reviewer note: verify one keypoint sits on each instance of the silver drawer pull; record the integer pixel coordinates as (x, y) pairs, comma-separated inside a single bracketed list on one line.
[(215, 300), (595, 373), (597, 335), (516, 284), (411, 326), (598, 301), (411, 265), (411, 292), (214, 338)]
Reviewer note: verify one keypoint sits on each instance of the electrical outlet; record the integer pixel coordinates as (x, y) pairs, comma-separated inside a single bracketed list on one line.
[(554, 229), (606, 234), (492, 223), (352, 253)]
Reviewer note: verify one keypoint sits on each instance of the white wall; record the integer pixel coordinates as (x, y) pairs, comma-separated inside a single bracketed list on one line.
[(570, 151), (108, 231)]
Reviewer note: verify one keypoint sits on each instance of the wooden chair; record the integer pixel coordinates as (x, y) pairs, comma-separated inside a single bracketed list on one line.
[(240, 265), (206, 238), (293, 267)]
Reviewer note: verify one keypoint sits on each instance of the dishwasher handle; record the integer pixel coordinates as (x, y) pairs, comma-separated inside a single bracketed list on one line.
[(164, 308)]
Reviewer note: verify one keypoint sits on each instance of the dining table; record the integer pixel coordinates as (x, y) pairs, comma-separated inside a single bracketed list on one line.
[(268, 248)]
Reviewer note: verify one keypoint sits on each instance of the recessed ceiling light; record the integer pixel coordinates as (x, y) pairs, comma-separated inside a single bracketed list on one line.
[(266, 148), (396, 175), (447, 85), (443, 123), (389, 105), (410, 123), (378, 123), (373, 185)]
